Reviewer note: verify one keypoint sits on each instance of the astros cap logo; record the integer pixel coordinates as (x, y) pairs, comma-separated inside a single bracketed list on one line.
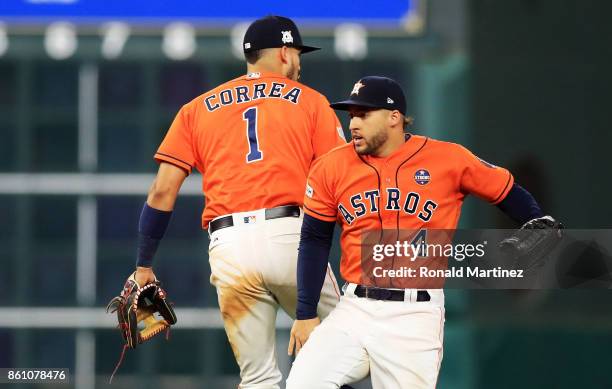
[(358, 85)]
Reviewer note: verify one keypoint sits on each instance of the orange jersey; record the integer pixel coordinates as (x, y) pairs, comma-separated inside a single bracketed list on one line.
[(253, 139), (421, 185)]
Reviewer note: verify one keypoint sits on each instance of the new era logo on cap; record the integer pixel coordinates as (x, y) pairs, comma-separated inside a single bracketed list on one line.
[(390, 100)]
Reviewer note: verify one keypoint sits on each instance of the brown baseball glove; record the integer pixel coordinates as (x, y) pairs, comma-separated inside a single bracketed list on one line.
[(139, 304)]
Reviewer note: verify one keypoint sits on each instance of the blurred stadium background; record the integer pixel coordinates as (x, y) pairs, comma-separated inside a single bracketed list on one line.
[(88, 89)]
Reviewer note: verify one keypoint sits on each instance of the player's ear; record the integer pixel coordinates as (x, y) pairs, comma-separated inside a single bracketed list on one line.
[(284, 54), (395, 118)]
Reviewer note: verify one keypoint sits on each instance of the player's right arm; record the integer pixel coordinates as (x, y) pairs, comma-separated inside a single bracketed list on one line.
[(176, 158), (164, 189), (315, 244), (155, 217)]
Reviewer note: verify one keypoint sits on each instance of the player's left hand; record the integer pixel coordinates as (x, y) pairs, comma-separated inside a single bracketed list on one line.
[(300, 332), (533, 241)]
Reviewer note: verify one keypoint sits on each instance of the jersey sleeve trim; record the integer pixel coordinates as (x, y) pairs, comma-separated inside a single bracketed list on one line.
[(505, 191), (173, 160), (318, 215)]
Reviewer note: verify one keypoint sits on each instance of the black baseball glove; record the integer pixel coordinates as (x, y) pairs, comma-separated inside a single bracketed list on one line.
[(530, 245)]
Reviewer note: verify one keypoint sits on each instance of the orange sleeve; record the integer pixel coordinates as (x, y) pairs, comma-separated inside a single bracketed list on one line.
[(319, 200), (480, 178), (177, 146), (328, 132)]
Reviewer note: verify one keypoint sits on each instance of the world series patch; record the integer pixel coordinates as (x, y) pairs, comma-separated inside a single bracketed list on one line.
[(422, 177)]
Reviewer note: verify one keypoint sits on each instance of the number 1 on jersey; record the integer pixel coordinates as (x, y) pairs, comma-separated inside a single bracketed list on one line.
[(250, 116)]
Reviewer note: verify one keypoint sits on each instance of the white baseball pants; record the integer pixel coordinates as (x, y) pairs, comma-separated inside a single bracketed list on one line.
[(253, 267), (398, 343)]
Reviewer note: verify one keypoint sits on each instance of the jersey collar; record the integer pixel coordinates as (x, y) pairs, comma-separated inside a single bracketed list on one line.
[(261, 75)]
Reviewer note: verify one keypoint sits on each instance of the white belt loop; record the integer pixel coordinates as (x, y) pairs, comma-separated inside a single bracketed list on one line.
[(349, 288), (437, 296)]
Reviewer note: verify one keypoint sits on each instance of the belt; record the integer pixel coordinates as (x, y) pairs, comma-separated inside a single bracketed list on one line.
[(388, 294), (270, 213)]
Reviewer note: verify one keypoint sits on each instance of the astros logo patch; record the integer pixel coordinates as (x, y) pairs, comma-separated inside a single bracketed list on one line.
[(422, 177)]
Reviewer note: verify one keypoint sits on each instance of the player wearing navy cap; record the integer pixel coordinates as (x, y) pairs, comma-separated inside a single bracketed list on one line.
[(390, 180), (253, 139)]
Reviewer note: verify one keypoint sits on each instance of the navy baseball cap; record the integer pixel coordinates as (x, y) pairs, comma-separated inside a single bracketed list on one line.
[(274, 31), (375, 92)]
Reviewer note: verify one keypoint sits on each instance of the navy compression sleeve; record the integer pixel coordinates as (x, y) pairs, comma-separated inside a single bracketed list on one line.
[(315, 243), (151, 229), (520, 205)]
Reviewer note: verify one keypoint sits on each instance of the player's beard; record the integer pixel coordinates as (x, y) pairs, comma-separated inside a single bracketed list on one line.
[(294, 73), (373, 144)]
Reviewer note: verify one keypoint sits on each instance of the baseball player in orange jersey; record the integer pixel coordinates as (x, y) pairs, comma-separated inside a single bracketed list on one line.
[(253, 139), (383, 180)]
